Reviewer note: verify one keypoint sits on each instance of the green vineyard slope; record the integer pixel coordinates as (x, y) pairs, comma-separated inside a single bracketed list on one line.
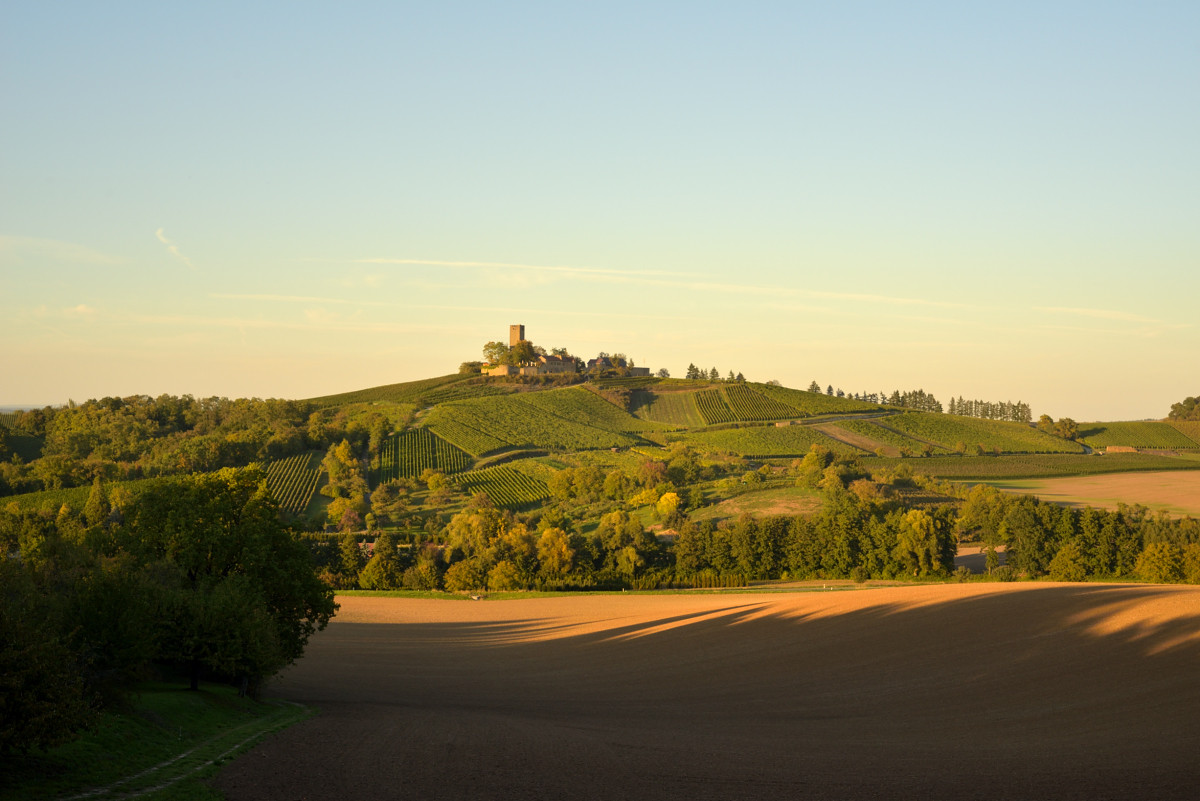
[(408, 454)]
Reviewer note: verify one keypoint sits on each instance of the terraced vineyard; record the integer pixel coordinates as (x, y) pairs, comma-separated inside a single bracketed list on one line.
[(1189, 428), (74, 497), (408, 454), (485, 425), (293, 481), (814, 403), (947, 430), (406, 392), (462, 435), (1135, 435), (768, 441), (628, 382), (578, 405), (676, 409), (712, 406), (508, 487), (462, 390), (748, 404), (879, 432), (1037, 465), (8, 420)]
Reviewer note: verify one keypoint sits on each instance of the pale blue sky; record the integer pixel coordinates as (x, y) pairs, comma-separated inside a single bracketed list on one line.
[(295, 199)]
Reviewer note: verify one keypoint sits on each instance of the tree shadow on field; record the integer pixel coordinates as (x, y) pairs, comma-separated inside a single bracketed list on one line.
[(1037, 691)]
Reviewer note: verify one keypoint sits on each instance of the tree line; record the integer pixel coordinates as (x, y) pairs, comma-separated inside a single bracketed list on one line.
[(117, 439), (1065, 544), (1186, 409), (192, 576), (1018, 412), (699, 374)]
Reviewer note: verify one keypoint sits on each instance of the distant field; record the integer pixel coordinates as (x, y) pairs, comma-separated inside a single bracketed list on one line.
[(1038, 465), (1175, 492), (1143, 434), (768, 441), (948, 430)]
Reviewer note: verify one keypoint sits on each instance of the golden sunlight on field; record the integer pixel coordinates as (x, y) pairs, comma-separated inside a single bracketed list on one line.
[(954, 691), (1176, 492)]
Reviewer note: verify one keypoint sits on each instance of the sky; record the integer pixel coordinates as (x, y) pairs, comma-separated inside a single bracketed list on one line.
[(991, 200)]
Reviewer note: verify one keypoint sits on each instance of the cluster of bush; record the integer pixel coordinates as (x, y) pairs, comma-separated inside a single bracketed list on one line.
[(1065, 544), (856, 535), (866, 529), (192, 576)]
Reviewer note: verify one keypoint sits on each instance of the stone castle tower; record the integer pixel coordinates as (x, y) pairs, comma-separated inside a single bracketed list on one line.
[(515, 334)]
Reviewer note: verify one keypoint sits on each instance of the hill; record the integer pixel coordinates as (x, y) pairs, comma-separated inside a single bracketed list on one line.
[(567, 445)]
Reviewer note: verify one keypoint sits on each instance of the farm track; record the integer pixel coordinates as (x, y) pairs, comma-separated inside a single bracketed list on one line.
[(854, 440), (980, 691)]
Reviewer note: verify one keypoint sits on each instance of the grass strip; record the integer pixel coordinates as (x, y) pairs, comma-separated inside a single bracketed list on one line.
[(162, 748)]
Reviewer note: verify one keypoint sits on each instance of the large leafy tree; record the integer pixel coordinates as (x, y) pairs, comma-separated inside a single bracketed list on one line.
[(1186, 409), (245, 596), (44, 699)]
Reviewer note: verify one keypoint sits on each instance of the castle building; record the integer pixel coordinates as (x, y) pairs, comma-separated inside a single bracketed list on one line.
[(546, 365)]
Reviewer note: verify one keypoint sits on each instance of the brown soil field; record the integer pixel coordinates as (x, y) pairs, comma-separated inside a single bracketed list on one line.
[(1174, 491), (962, 691)]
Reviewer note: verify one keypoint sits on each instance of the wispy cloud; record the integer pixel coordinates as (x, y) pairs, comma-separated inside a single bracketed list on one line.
[(546, 268), (1138, 326), (16, 250), (1103, 314), (669, 280), (297, 299), (173, 249), (549, 311), (314, 322)]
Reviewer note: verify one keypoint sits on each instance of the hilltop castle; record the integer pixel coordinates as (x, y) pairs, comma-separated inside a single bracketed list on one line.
[(552, 365), (545, 365)]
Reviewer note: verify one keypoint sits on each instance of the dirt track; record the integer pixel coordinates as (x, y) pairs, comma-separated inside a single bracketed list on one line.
[(959, 691)]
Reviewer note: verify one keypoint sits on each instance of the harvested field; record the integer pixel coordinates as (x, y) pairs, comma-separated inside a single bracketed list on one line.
[(1177, 493), (981, 691)]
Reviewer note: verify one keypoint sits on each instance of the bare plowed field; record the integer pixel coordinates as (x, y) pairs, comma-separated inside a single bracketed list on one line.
[(957, 691)]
